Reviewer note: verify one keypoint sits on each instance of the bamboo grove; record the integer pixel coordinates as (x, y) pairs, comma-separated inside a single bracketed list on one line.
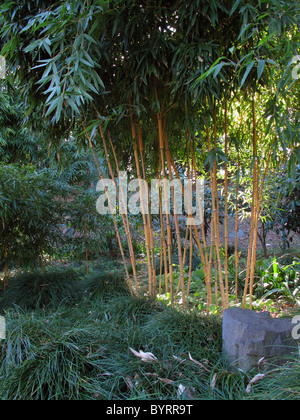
[(167, 90)]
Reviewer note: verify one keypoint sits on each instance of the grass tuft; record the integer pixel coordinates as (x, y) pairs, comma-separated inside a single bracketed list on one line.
[(105, 284), (90, 350), (42, 290)]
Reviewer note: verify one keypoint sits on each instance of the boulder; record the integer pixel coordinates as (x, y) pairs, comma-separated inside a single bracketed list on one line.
[(240, 234), (249, 336)]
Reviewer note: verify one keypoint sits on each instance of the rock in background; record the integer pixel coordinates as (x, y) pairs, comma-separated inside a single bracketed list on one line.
[(249, 336)]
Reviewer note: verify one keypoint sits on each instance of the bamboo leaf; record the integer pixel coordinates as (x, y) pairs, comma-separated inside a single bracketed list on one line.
[(260, 68), (235, 6), (249, 68)]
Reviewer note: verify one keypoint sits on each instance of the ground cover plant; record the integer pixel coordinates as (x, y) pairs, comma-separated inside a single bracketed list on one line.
[(99, 100), (34, 290), (166, 91), (115, 346)]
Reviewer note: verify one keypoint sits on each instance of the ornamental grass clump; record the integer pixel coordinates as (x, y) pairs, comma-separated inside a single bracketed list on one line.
[(43, 359), (38, 290), (105, 284)]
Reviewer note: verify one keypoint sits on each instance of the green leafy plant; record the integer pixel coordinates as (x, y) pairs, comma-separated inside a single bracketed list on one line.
[(281, 280), (31, 211)]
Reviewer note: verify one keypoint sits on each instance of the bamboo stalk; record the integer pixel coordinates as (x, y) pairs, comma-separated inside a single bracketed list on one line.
[(132, 255), (216, 218), (256, 199), (162, 165), (125, 222), (217, 240), (163, 242), (189, 178), (226, 209), (254, 216), (176, 225), (145, 224), (145, 221), (111, 211), (194, 176), (86, 248), (149, 219), (236, 231), (249, 253), (197, 239), (189, 233), (259, 200), (191, 262), (187, 236)]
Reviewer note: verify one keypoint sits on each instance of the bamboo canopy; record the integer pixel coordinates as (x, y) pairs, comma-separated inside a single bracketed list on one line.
[(157, 87)]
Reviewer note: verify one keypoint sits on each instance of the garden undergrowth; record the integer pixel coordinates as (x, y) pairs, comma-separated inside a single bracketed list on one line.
[(109, 345)]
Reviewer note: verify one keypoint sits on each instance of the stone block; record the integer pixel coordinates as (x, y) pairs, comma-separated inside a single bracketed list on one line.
[(249, 336)]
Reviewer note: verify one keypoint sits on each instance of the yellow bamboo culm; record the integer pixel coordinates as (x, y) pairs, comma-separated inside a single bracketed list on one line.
[(166, 198), (111, 210), (125, 221), (145, 224), (149, 219), (226, 209), (236, 231), (191, 261), (216, 217), (162, 239), (176, 225), (251, 263), (204, 259)]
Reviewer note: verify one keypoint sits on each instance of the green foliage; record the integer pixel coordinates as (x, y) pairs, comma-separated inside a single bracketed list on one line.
[(104, 284), (48, 360), (181, 328), (17, 145), (280, 279), (71, 56), (36, 290), (289, 195), (281, 384), (31, 210), (82, 352)]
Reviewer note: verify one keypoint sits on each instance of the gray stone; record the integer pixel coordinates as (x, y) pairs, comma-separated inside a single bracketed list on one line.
[(240, 234), (249, 336)]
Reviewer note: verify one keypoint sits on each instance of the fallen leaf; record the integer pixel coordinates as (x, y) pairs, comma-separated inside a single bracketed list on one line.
[(145, 357), (213, 381), (186, 393), (181, 390), (167, 381), (198, 363), (253, 381)]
